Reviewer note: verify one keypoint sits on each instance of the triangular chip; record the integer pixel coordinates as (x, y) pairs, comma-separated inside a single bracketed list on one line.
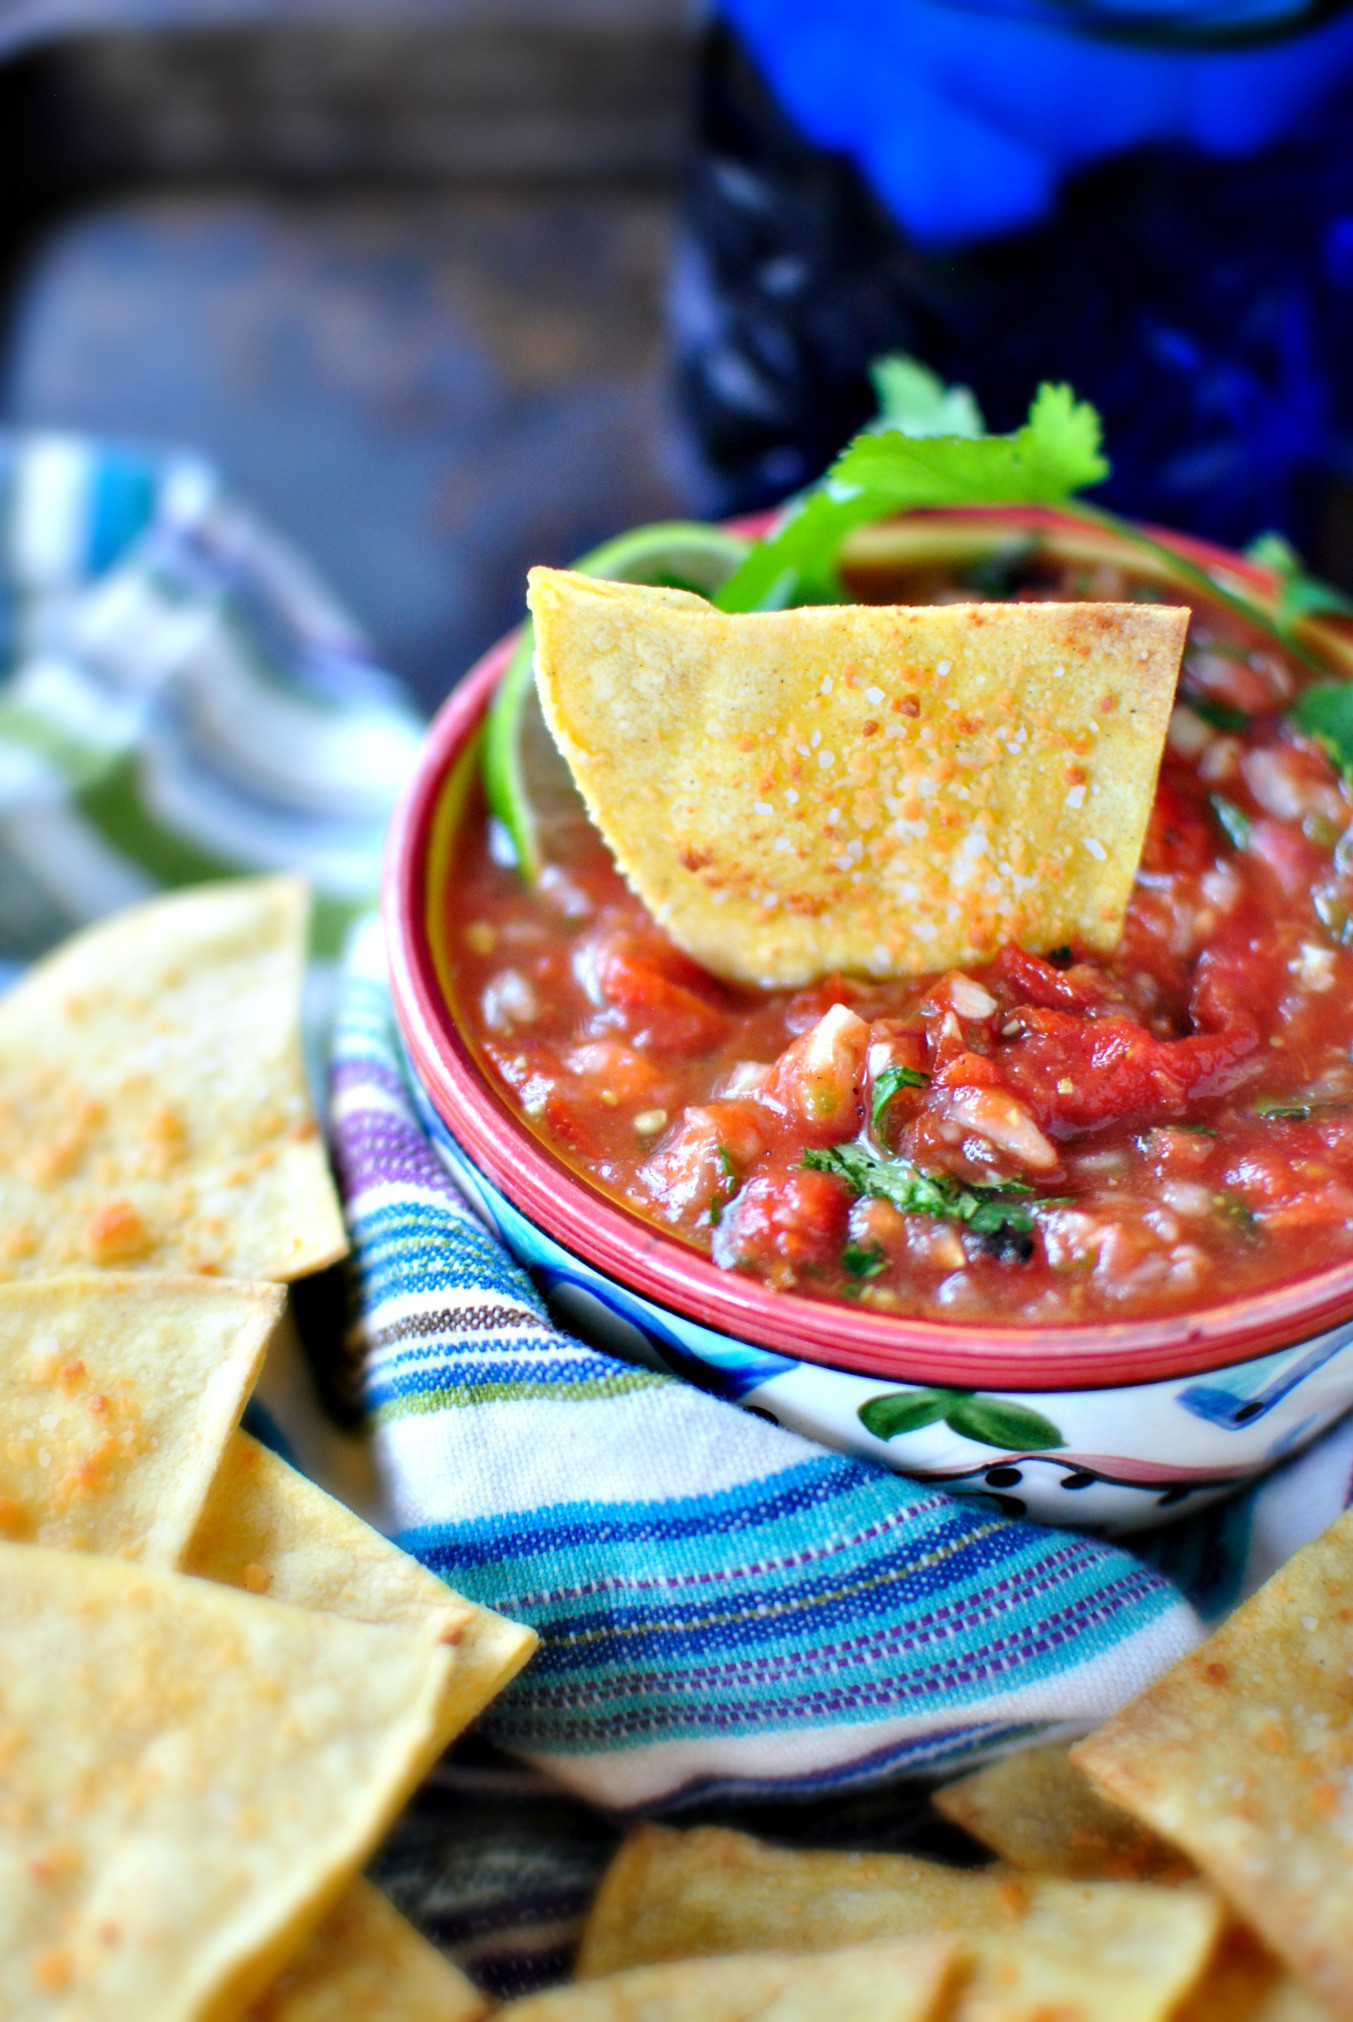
[(268, 1530), (118, 1395), (1044, 1816), (366, 1964), (1245, 1983), (153, 1107), (1122, 1952), (189, 1780), (1243, 1754), (874, 788), (888, 1982)]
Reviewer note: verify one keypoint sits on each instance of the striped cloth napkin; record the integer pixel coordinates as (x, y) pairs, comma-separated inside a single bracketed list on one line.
[(728, 1612), (725, 1608)]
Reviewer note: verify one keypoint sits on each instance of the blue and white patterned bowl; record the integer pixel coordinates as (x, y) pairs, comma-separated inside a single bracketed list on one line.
[(1062, 1456), (1119, 1426)]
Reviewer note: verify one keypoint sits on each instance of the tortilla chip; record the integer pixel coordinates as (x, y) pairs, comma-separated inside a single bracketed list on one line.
[(118, 1395), (887, 1982), (1245, 1983), (366, 1964), (1039, 1812), (872, 788), (1105, 1951), (189, 1780), (268, 1530), (154, 1113), (1243, 1754), (1288, 2001)]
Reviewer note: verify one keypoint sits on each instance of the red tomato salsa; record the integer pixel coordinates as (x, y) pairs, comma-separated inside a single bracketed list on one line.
[(1040, 1140)]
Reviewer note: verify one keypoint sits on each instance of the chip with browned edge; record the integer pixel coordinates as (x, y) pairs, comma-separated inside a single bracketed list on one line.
[(892, 1981), (872, 788), (154, 1113), (366, 1964), (1245, 1983), (189, 1780), (1243, 1754), (268, 1530), (1034, 1947), (118, 1396), (1039, 1812)]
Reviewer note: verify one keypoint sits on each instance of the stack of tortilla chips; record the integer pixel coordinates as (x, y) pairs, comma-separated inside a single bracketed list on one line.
[(219, 1684), (1190, 1862)]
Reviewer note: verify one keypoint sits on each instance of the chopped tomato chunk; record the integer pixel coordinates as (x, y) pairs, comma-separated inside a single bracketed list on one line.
[(1078, 987), (698, 1169), (968, 1070), (997, 1120), (791, 1217), (664, 998), (819, 1078), (1081, 1073)]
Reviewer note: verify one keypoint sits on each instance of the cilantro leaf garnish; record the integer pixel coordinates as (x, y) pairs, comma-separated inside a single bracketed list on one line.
[(1300, 595), (1296, 1108), (916, 400), (1325, 712), (896, 469), (928, 447), (859, 1262), (1232, 1209), (727, 1189), (985, 1210), (888, 1083), (1221, 715)]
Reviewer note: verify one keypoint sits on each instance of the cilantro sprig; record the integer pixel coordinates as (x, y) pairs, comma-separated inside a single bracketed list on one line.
[(928, 447), (1300, 595), (889, 1082), (987, 1211), (1325, 712), (907, 463)]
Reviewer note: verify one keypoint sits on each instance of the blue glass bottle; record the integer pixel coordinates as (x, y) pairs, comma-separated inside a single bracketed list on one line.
[(1152, 201)]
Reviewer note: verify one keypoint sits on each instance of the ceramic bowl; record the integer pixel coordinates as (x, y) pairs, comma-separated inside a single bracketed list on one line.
[(1116, 1426)]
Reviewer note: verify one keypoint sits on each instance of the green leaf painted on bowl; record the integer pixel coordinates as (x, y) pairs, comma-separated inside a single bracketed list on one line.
[(903, 1411), (989, 1421), (995, 1421)]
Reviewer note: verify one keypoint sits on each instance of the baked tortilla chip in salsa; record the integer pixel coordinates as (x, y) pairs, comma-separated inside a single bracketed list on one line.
[(1084, 1134), (865, 787)]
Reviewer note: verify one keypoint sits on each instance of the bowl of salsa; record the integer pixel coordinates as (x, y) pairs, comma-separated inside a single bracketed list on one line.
[(1073, 1230)]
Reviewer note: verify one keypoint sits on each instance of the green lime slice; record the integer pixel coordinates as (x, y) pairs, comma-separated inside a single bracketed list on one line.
[(529, 787)]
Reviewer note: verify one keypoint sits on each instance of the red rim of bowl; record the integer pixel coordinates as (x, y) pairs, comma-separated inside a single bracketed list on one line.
[(621, 1244)]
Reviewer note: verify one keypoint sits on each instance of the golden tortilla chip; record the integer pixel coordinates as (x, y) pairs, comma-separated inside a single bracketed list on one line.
[(268, 1530), (118, 1395), (875, 788), (1085, 1952), (1245, 1983), (366, 1964), (1039, 1812), (1287, 2001), (154, 1113), (1243, 1754), (189, 1780), (887, 1982)]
